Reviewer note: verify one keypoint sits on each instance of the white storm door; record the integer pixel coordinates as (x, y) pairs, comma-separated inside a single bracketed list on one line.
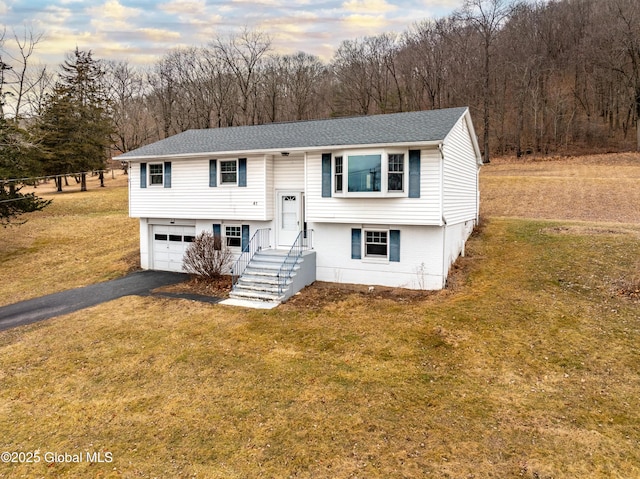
[(289, 217)]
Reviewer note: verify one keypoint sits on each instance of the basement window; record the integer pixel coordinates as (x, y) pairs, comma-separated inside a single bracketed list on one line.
[(376, 245), (234, 236)]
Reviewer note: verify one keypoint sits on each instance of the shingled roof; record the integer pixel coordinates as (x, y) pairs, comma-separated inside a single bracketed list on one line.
[(410, 127)]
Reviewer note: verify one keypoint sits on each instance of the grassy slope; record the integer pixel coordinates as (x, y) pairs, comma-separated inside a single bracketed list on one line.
[(528, 367), (82, 238)]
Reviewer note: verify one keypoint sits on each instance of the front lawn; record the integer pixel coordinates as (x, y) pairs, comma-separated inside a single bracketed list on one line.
[(528, 367)]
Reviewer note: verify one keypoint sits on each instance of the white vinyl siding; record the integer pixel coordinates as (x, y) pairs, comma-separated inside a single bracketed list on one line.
[(288, 173), (420, 265), (395, 210), (191, 197), (460, 171), (269, 197)]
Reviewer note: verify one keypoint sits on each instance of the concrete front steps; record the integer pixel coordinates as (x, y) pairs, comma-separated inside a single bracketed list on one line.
[(259, 282)]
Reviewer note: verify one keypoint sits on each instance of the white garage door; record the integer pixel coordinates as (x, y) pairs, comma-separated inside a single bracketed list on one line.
[(169, 245)]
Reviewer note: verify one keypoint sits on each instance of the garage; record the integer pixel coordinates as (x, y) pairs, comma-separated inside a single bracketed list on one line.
[(169, 244)]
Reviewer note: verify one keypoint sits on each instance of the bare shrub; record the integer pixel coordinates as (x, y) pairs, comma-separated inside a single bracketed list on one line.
[(208, 256)]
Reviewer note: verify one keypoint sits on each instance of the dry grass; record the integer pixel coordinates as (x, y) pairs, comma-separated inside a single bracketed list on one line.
[(82, 238), (528, 367), (601, 188)]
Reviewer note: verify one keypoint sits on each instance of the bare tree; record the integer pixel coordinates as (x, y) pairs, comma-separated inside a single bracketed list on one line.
[(128, 109), (41, 82), (303, 76), (17, 77), (426, 56), (4, 67), (244, 56), (624, 52), (163, 95), (486, 17), (352, 69)]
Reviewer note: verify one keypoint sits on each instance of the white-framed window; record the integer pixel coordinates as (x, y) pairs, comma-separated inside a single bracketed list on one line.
[(395, 178), (370, 173), (233, 235), (376, 244), (364, 173), (338, 174), (156, 174), (228, 172)]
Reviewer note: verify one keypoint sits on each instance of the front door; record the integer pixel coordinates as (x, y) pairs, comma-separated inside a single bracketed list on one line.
[(289, 217)]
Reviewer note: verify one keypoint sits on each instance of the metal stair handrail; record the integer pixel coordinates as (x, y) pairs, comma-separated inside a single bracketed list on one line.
[(303, 242), (257, 243)]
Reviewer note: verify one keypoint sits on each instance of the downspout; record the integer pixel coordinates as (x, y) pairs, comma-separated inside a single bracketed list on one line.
[(445, 270), (129, 185), (443, 219), (478, 195)]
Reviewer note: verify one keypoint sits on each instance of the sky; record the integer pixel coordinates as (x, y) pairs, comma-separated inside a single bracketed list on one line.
[(141, 31)]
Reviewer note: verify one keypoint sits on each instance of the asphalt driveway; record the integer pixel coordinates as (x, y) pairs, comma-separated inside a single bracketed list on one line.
[(140, 283)]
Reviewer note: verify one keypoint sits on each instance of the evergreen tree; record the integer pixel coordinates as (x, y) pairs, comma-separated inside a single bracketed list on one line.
[(17, 161), (75, 125)]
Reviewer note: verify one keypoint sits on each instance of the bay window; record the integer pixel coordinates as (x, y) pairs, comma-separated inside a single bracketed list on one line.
[(365, 173), (396, 172), (368, 174)]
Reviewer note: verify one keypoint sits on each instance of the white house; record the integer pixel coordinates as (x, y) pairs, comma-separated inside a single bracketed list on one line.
[(377, 200)]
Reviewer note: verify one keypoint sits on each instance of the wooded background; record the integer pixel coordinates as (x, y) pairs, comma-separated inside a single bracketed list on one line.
[(540, 77)]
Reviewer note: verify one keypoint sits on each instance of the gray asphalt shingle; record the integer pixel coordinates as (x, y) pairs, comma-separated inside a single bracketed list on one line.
[(418, 126)]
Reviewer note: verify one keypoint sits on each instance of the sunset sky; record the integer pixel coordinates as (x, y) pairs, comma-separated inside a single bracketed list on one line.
[(141, 31)]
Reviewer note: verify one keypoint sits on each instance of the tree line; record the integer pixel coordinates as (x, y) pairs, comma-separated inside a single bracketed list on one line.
[(539, 77)]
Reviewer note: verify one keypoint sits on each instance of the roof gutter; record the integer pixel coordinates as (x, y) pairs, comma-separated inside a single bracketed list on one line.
[(434, 143)]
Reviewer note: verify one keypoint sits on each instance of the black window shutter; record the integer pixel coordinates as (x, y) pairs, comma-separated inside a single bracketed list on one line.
[(143, 175), (326, 175), (356, 243), (217, 236), (245, 238), (242, 172), (394, 245), (414, 173), (167, 174), (213, 173)]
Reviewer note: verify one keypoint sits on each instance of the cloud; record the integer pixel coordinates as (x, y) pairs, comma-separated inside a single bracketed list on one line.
[(112, 15), (159, 35), (184, 7), (365, 22), (271, 3), (54, 16), (448, 4), (142, 30), (114, 10), (368, 6)]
